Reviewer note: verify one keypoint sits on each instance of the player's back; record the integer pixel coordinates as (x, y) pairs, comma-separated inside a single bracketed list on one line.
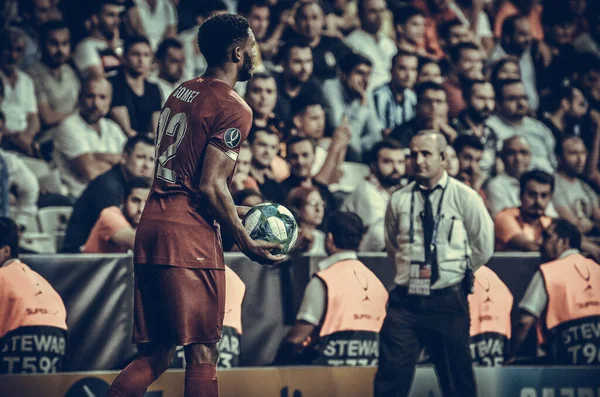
[(200, 112)]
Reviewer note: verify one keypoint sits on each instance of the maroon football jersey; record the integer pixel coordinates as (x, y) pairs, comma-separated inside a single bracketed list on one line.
[(177, 227)]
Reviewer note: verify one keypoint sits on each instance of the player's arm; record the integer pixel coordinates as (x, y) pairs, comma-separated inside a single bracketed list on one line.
[(216, 169)]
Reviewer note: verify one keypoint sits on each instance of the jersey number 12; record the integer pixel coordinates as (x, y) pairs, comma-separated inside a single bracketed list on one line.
[(176, 127)]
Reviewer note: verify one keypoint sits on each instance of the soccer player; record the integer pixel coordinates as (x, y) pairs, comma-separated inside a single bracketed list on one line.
[(179, 265)]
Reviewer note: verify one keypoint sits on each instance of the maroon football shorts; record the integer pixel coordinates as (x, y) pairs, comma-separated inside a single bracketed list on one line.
[(177, 305)]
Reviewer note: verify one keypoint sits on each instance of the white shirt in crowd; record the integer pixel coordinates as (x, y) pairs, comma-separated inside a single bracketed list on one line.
[(484, 29), (539, 136), (577, 196), (380, 51), (19, 101), (74, 138), (503, 191), (24, 183), (536, 296), (314, 302), (195, 63), (369, 201), (60, 93), (465, 230), (87, 53), (165, 87), (156, 22)]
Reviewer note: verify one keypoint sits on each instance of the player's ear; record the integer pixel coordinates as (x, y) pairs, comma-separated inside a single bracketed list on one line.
[(238, 55)]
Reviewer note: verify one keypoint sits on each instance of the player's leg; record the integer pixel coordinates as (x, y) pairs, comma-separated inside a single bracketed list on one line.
[(201, 370), (145, 369)]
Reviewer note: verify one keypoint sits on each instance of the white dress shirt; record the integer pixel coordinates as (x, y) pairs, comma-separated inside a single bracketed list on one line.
[(380, 52), (465, 230)]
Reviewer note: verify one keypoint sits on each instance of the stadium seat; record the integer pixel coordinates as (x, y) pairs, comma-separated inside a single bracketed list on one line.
[(54, 219), (38, 167), (32, 225), (39, 243), (51, 183)]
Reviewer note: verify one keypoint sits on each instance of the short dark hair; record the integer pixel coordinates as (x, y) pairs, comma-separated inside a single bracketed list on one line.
[(538, 176), (219, 34), (134, 140), (133, 40), (455, 52), (306, 3), (445, 28), (468, 87), (245, 6), (347, 230), (297, 139), (565, 229), (352, 60), (463, 141), (259, 76), (45, 29), (424, 61), (403, 53), (165, 45), (97, 5), (9, 236), (384, 144), (254, 130), (425, 86), (585, 63), (499, 64), (242, 195), (285, 51), (206, 7), (137, 182), (559, 149), (558, 15), (302, 102), (402, 14), (501, 84), (556, 95), (509, 24)]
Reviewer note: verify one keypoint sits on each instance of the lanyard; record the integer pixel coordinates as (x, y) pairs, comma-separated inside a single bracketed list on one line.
[(411, 230)]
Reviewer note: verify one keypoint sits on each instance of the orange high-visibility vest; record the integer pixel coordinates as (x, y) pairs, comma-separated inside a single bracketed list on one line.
[(489, 307), (356, 307), (572, 321), (32, 322), (229, 346)]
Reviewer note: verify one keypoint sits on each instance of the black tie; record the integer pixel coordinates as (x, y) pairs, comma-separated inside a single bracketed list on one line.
[(428, 226)]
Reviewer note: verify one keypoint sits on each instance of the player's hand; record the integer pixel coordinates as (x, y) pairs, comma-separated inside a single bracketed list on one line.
[(260, 251)]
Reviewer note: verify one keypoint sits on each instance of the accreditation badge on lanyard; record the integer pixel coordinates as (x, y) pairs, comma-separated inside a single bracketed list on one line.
[(419, 282)]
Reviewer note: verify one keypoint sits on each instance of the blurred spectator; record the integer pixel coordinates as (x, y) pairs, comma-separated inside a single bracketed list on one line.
[(574, 199), (505, 68), (31, 310), (20, 104), (249, 198), (450, 162), (56, 84), (18, 186), (371, 42), (195, 64), (261, 96), (327, 52), (99, 53), (170, 58), (566, 277), (370, 199), (520, 229), (517, 41), (308, 207), (409, 23), (589, 42), (453, 33), (349, 99), (431, 114), (429, 70), (114, 231), (257, 13), (309, 121), (296, 79), (136, 102), (264, 145), (531, 9), (86, 143), (480, 99), (108, 190), (467, 65), (471, 14), (35, 14), (159, 20), (241, 178), (342, 291), (512, 118), (301, 156), (559, 26), (469, 151), (565, 108), (395, 102)]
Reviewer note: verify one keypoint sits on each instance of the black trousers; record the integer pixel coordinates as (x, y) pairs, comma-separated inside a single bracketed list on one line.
[(439, 322)]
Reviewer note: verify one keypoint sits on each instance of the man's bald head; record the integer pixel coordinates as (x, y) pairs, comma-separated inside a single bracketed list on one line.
[(95, 98), (516, 155), (438, 138), (427, 154)]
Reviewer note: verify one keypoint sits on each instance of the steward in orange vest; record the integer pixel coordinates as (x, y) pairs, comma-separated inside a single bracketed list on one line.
[(231, 335), (490, 305), (33, 327), (564, 299), (343, 307)]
